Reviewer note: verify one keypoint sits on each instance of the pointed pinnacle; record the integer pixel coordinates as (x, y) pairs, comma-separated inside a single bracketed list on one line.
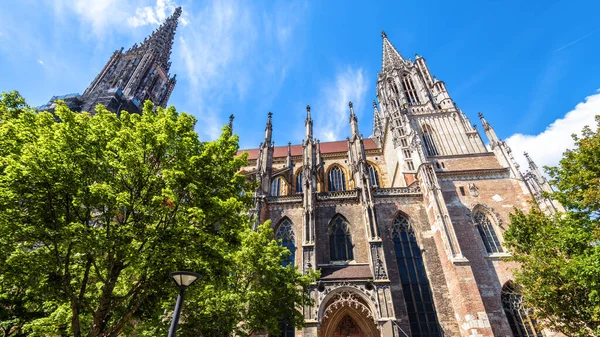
[(374, 104), (383, 34), (480, 115), (231, 117)]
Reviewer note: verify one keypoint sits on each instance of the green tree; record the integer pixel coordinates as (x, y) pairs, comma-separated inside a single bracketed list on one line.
[(560, 255), (96, 210)]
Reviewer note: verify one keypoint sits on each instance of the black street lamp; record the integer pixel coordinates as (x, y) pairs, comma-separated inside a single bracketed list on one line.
[(183, 279)]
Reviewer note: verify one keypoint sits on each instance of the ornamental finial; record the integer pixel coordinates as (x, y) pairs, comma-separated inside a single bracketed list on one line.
[(383, 34)]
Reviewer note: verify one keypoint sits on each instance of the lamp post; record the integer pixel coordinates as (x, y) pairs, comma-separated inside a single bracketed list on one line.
[(183, 279)]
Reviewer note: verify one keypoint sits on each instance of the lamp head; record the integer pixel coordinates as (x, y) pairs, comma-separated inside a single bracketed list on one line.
[(184, 279)]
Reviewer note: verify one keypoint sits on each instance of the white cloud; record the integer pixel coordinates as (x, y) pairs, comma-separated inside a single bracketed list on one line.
[(332, 113), (100, 15), (155, 15), (41, 62), (546, 148), (230, 50)]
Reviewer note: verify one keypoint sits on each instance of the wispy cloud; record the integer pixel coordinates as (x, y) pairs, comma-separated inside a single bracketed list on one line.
[(156, 14), (332, 111), (99, 16), (575, 41), (219, 53), (41, 62), (547, 147)]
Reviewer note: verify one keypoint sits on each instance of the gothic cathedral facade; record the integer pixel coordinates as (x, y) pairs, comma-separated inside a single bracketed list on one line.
[(406, 227)]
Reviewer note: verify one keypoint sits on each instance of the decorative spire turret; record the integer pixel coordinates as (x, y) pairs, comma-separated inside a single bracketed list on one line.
[(489, 131), (308, 124), (353, 121), (269, 128)]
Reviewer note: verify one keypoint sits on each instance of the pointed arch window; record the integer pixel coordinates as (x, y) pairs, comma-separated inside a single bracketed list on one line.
[(428, 140), (519, 317), (276, 187), (340, 241), (373, 175), (336, 179), (285, 233), (299, 182), (485, 227), (410, 91), (415, 284)]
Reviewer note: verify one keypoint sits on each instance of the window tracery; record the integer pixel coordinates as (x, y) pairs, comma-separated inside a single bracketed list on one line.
[(299, 182), (413, 277), (373, 175), (340, 240), (336, 179), (486, 230), (428, 140), (285, 233), (276, 187), (520, 318)]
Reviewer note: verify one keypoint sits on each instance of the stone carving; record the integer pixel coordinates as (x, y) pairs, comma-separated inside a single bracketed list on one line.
[(473, 190), (346, 299)]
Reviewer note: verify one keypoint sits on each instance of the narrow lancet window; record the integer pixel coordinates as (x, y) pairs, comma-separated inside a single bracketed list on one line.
[(373, 175), (418, 298), (520, 318), (276, 187), (340, 241), (485, 227), (428, 140), (285, 233), (299, 182)]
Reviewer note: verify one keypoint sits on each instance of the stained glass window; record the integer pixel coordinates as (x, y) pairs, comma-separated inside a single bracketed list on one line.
[(299, 182), (428, 136), (373, 175), (415, 284), (520, 318), (276, 187), (285, 233), (486, 231), (337, 180), (340, 241)]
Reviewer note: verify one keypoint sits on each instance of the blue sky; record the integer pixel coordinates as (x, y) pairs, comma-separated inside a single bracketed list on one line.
[(532, 67)]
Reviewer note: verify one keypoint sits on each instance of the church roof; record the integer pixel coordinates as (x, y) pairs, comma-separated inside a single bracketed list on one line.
[(391, 57), (339, 146)]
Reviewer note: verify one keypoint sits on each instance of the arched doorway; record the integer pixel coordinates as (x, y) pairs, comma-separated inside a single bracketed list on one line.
[(347, 314)]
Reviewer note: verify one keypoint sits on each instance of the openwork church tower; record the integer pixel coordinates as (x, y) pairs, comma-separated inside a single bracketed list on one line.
[(406, 226), (131, 77)]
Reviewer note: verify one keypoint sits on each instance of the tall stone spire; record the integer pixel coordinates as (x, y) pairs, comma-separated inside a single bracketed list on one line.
[(391, 57), (129, 78), (161, 40)]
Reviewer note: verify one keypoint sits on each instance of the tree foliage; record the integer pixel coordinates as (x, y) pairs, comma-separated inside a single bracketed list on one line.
[(560, 255), (96, 210)]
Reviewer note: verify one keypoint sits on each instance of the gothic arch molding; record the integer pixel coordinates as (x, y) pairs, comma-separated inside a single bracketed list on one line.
[(349, 301), (486, 209), (344, 172)]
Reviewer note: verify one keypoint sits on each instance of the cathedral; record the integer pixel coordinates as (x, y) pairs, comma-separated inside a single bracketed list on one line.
[(405, 226)]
